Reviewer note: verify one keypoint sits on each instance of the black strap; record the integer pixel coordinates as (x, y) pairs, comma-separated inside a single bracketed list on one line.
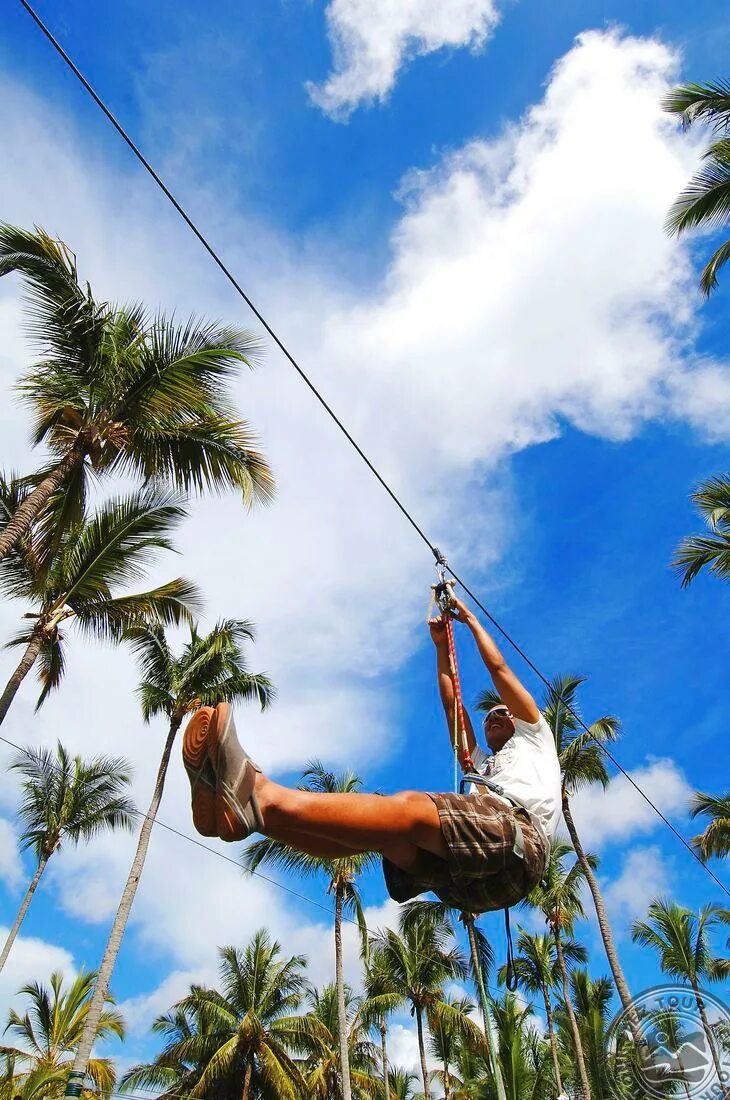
[(511, 976)]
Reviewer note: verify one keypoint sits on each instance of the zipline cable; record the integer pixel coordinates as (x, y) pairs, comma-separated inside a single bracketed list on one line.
[(333, 415)]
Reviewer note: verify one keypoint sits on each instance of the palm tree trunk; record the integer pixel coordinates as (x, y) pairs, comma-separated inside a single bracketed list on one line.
[(247, 1081), (583, 1073), (22, 520), (708, 1034), (384, 1048), (341, 1010), (96, 1004), (476, 967), (23, 910), (422, 1052), (28, 659), (447, 1082), (552, 1038), (603, 924)]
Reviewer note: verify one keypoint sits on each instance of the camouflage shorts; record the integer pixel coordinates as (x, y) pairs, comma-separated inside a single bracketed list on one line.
[(482, 871)]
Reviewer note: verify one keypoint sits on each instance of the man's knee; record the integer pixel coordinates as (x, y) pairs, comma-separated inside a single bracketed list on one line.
[(418, 811)]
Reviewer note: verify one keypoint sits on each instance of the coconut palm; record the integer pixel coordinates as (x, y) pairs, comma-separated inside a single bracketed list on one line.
[(682, 940), (420, 959), (710, 550), (341, 874), (65, 800), (451, 1027), (380, 1000), (322, 1066), (582, 763), (118, 390), (94, 557), (558, 895), (209, 669), (401, 1085), (50, 1028), (178, 1067), (536, 971), (715, 840), (592, 1003), (523, 1057), (705, 201), (240, 1038)]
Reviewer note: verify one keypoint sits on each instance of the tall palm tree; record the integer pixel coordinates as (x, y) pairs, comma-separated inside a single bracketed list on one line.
[(94, 557), (582, 763), (558, 895), (49, 1030), (705, 201), (65, 800), (451, 1027), (710, 550), (119, 390), (481, 960), (420, 959), (380, 1000), (238, 1039), (322, 1067), (342, 876), (209, 669), (682, 940), (715, 840), (536, 971)]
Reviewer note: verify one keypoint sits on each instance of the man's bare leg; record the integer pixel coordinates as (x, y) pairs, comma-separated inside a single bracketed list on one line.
[(395, 825)]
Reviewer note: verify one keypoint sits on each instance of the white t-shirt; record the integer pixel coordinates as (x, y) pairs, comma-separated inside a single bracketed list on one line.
[(528, 770)]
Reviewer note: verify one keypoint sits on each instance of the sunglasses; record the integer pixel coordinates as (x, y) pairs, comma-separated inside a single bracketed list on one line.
[(498, 712)]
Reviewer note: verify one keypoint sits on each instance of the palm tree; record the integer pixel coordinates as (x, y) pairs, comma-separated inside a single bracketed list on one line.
[(66, 800), (559, 898), (380, 1000), (682, 941), (420, 959), (239, 1039), (582, 763), (49, 1030), (524, 1058), (401, 1084), (322, 1067), (118, 390), (592, 1003), (705, 200), (451, 1027), (93, 557), (481, 959), (210, 668), (342, 876), (711, 550), (715, 840), (536, 970)]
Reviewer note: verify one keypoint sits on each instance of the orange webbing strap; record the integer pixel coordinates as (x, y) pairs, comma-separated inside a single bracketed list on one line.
[(460, 741)]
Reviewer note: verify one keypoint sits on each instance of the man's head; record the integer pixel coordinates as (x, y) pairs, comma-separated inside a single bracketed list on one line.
[(499, 725)]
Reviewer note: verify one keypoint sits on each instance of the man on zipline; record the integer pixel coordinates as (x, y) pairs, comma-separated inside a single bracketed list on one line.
[(479, 851)]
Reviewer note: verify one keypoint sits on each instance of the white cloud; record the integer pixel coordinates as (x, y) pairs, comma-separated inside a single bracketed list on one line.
[(645, 875), (373, 39), (619, 812), (11, 867), (30, 960), (529, 275)]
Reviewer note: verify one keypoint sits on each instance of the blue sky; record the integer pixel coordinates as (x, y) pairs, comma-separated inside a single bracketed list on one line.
[(547, 417)]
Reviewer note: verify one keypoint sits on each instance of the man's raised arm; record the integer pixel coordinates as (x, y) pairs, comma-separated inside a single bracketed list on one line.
[(446, 686), (510, 690)]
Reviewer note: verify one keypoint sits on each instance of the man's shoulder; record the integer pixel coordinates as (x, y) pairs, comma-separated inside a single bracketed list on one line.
[(539, 731)]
